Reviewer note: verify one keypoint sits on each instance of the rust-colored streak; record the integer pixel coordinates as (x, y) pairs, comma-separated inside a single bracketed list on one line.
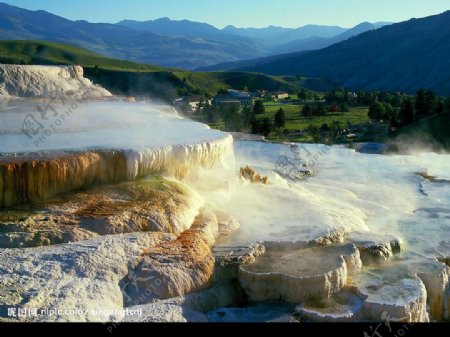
[(25, 180)]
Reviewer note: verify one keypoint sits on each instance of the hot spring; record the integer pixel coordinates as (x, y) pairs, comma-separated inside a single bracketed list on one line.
[(366, 235)]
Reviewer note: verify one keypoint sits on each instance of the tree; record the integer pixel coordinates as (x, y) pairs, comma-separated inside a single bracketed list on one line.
[(389, 112), (334, 108), (307, 110), (259, 108), (440, 106), (447, 106), (262, 126), (425, 103), (324, 127), (336, 130), (338, 95), (377, 111), (314, 132), (280, 119), (266, 126), (344, 107), (406, 114), (233, 118), (319, 110), (248, 116), (211, 113), (304, 95)]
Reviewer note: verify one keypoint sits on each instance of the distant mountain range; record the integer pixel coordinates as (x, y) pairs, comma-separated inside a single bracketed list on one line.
[(272, 39), (318, 42), (164, 42), (401, 57), (121, 42)]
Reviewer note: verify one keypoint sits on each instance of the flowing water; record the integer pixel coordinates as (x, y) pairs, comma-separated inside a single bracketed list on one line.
[(351, 191)]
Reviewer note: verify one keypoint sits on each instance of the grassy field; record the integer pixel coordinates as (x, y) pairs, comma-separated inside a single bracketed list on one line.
[(295, 121), (47, 53)]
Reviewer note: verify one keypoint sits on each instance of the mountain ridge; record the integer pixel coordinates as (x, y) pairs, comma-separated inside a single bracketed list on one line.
[(404, 57)]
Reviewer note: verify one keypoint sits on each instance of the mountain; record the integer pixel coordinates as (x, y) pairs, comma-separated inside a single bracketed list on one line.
[(230, 66), (166, 26), (319, 42), (271, 40), (359, 29), (195, 30), (121, 42), (273, 36), (401, 57)]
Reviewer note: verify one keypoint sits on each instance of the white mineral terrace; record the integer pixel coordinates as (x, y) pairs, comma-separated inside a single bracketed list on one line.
[(365, 237), (46, 125), (45, 81), (97, 141)]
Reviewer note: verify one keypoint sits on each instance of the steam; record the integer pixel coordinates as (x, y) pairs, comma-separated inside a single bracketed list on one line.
[(34, 126), (352, 191), (416, 142)]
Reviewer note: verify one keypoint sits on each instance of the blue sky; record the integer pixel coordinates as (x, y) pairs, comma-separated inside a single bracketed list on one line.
[(242, 13)]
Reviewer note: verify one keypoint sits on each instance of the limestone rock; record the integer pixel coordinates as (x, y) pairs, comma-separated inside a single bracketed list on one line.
[(375, 247), (33, 178), (228, 260), (345, 306), (153, 204), (220, 295), (181, 266), (190, 308), (249, 174), (48, 81), (335, 235), (296, 272), (394, 297), (436, 278), (82, 276), (37, 177), (227, 223)]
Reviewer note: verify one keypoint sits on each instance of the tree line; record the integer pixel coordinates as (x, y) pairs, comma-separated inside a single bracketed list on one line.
[(410, 108), (396, 109), (248, 119)]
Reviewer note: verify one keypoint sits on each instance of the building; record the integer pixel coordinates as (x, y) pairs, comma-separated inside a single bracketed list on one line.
[(191, 103), (280, 95), (243, 98)]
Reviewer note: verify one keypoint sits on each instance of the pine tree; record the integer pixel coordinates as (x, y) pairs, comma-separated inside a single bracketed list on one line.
[(307, 110), (406, 115), (280, 119), (259, 108)]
